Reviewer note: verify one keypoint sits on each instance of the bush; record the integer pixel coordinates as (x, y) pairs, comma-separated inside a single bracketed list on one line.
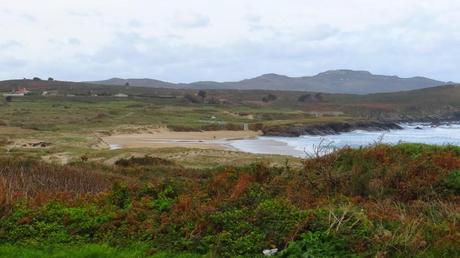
[(269, 98), (84, 251), (278, 220), (120, 196), (373, 201), (192, 99), (165, 199), (318, 245), (453, 181), (143, 161)]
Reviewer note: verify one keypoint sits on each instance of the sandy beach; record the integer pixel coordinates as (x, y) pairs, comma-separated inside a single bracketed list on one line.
[(166, 138)]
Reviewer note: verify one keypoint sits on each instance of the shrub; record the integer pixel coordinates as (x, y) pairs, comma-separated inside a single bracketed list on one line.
[(143, 161), (120, 196), (318, 245), (269, 98), (373, 201), (165, 199), (192, 99), (20, 178), (279, 220), (453, 181)]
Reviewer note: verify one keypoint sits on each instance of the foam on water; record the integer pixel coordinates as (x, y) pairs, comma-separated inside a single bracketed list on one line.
[(300, 146)]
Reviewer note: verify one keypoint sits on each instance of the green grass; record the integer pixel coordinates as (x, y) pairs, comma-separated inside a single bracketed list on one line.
[(85, 251), (67, 114)]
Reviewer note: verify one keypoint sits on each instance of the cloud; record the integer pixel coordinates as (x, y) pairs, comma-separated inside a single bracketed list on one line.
[(83, 13), (12, 62), (188, 21), (229, 39), (73, 41), (9, 44), (135, 23)]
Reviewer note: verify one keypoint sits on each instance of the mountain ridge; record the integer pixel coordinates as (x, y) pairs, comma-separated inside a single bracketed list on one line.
[(331, 81)]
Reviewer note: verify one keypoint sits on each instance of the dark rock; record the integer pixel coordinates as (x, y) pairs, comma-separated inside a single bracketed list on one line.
[(328, 128)]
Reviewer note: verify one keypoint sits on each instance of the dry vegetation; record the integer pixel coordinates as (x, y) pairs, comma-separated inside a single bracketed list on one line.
[(379, 201)]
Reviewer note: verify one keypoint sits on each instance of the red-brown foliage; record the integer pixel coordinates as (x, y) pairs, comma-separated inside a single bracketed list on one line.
[(447, 160), (26, 179), (241, 185)]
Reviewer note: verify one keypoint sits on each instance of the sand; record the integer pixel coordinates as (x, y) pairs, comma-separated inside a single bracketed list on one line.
[(165, 138)]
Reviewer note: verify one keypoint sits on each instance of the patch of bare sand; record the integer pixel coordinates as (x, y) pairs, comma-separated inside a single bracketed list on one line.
[(163, 138), (57, 158)]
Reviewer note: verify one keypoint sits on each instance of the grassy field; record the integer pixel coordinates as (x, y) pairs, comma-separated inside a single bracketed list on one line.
[(73, 126)]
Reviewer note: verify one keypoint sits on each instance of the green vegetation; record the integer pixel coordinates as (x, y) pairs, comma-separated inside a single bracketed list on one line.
[(378, 201), (64, 194), (85, 251)]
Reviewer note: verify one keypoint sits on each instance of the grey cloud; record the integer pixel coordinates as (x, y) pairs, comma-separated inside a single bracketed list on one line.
[(9, 44), (187, 62), (28, 17), (134, 23), (73, 41), (84, 14), (10, 62), (320, 32), (416, 42), (21, 15), (253, 18), (191, 21)]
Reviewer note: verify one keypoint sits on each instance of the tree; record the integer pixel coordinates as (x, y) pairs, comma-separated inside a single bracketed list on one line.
[(127, 84), (9, 99), (191, 98), (37, 79), (269, 98), (50, 79), (319, 96), (202, 94), (304, 98)]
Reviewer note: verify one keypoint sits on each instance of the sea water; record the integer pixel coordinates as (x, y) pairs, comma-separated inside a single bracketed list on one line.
[(306, 145)]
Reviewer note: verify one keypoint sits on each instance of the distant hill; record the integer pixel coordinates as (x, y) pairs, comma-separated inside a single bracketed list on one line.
[(333, 81), (138, 83)]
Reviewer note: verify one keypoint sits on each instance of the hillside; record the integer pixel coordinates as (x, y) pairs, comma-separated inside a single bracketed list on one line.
[(334, 81), (429, 104), (138, 83)]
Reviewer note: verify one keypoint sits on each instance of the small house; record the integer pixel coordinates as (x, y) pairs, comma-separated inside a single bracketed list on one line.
[(19, 92)]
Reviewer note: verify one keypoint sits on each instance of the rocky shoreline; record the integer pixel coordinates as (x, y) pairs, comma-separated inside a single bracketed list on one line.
[(328, 128)]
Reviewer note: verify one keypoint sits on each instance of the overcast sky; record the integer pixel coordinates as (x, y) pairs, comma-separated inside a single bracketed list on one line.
[(191, 40)]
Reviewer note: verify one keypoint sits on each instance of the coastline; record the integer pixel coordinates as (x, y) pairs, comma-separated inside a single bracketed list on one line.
[(333, 128), (282, 142)]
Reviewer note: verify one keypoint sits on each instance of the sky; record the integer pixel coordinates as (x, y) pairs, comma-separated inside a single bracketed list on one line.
[(227, 40)]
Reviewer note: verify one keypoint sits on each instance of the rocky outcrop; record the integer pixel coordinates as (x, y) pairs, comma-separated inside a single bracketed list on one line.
[(328, 128)]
